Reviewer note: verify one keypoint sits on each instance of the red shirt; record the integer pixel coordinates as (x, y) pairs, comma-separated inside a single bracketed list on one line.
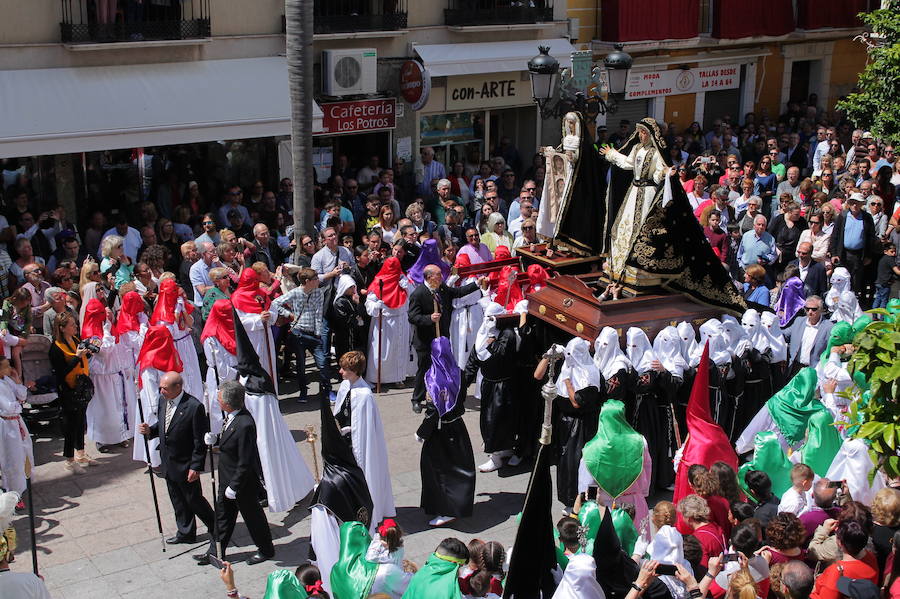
[(719, 509), (711, 540), (826, 583)]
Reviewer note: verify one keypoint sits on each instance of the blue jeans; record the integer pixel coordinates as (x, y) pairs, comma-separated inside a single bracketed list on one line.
[(881, 297), (300, 344)]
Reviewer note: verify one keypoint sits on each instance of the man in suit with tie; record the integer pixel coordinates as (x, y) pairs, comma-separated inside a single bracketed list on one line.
[(181, 425), (808, 337), (430, 307), (240, 473)]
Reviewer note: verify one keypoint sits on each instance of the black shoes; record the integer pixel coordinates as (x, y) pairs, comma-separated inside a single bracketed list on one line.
[(417, 408), (176, 540), (258, 558), (202, 559)]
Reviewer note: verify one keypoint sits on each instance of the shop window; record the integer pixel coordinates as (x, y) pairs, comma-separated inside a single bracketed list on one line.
[(494, 12), (93, 21), (345, 16)]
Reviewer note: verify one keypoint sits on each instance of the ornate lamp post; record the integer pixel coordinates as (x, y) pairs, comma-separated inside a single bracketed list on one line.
[(544, 71)]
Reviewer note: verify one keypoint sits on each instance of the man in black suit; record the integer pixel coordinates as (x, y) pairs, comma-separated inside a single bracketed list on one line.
[(808, 337), (812, 273), (181, 425), (796, 155), (430, 306), (239, 476)]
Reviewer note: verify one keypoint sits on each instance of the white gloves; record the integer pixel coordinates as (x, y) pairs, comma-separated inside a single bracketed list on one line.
[(210, 438), (451, 280), (677, 459), (345, 430), (230, 493), (418, 438)]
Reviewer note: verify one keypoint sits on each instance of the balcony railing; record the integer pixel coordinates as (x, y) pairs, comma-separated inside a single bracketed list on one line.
[(497, 12), (94, 21), (347, 16)]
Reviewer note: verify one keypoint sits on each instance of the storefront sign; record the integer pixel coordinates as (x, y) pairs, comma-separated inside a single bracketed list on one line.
[(487, 91), (415, 84), (678, 81), (364, 115)]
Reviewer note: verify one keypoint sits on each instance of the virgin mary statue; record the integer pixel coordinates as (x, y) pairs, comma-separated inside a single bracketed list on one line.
[(643, 154), (655, 239)]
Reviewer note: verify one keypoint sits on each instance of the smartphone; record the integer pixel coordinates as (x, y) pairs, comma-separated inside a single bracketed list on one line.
[(666, 570), (731, 557), (705, 159), (215, 562), (835, 484)]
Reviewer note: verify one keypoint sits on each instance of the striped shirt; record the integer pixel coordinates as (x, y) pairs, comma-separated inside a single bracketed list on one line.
[(305, 309)]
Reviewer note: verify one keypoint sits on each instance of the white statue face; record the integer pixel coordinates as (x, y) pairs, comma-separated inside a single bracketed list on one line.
[(643, 136)]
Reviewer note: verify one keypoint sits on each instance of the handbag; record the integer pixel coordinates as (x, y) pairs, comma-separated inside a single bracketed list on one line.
[(83, 391)]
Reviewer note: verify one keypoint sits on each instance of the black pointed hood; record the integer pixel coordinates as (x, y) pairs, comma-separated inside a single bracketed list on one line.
[(248, 365), (534, 554), (615, 570), (343, 489)]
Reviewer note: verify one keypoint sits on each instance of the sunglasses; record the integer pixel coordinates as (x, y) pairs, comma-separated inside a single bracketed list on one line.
[(528, 228), (814, 222), (811, 309), (208, 222)]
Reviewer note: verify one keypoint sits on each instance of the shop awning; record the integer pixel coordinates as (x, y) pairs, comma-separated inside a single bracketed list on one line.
[(443, 60), (58, 111)]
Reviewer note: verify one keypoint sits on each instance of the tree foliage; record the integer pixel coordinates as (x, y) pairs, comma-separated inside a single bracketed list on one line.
[(874, 106), (875, 410)]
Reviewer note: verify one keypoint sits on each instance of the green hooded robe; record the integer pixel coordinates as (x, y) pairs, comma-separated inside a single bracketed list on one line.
[(792, 407), (615, 456), (282, 584), (822, 443), (437, 579), (768, 456), (352, 576)]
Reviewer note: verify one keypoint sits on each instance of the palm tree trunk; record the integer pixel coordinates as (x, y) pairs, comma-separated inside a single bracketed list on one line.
[(299, 39)]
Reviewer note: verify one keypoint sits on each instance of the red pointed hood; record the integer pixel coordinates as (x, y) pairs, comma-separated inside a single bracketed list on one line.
[(220, 324), (166, 301), (132, 306), (158, 351), (248, 297), (707, 443), (94, 317)]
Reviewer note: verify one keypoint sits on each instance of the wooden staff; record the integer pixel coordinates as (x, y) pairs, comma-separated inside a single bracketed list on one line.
[(380, 318), (34, 564), (675, 425), (150, 473), (212, 460), (437, 323)]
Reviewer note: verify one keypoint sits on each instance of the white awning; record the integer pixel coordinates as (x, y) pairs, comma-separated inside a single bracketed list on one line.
[(489, 57), (58, 111)]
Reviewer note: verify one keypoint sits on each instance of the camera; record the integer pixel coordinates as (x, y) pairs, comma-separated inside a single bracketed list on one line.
[(91, 347)]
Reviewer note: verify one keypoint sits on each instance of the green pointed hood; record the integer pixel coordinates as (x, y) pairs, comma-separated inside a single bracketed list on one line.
[(768, 456), (615, 456), (437, 579), (792, 407), (282, 584), (590, 517), (893, 307), (352, 576), (841, 334), (822, 443), (625, 529)]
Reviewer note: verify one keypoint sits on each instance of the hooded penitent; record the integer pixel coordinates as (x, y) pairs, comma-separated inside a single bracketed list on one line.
[(437, 579), (790, 301), (608, 356), (769, 457), (220, 324), (352, 576), (430, 254), (707, 443), (94, 318), (442, 380), (282, 584), (792, 407), (388, 279), (248, 297), (129, 314), (615, 456), (158, 351), (639, 350), (166, 302), (822, 443), (579, 581)]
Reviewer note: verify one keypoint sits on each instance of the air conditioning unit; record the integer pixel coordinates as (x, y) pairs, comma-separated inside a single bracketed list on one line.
[(349, 72)]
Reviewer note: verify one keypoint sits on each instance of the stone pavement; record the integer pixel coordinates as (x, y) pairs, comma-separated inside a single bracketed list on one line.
[(97, 534)]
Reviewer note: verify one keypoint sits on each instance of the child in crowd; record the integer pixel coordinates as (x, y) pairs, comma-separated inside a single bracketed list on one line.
[(796, 499), (386, 550), (568, 528), (887, 273)]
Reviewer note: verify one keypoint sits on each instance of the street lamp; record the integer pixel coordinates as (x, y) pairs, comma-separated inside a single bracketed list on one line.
[(544, 71)]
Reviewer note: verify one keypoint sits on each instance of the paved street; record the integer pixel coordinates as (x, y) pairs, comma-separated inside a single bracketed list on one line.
[(97, 534)]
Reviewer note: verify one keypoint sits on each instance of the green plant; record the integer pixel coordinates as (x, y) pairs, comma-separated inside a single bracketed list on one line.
[(873, 106), (875, 406)]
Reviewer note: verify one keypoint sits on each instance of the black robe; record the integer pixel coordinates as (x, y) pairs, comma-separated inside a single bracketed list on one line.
[(499, 412), (735, 389), (572, 428), (447, 463), (650, 418), (720, 404), (527, 391), (757, 388), (347, 323)]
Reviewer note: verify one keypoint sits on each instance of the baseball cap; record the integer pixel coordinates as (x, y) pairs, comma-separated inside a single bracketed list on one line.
[(858, 588), (855, 197), (867, 135)]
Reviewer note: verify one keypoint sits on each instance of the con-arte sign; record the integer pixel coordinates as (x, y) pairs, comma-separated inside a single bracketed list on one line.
[(415, 84), (677, 81), (360, 115), (487, 91)]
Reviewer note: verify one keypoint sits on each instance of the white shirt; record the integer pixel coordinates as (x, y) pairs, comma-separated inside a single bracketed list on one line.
[(793, 501), (803, 269), (22, 585), (809, 339), (132, 243)]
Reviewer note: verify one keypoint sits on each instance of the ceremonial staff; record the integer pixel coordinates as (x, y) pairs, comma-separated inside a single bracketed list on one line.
[(34, 565), (212, 461), (380, 315), (140, 405), (437, 323)]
